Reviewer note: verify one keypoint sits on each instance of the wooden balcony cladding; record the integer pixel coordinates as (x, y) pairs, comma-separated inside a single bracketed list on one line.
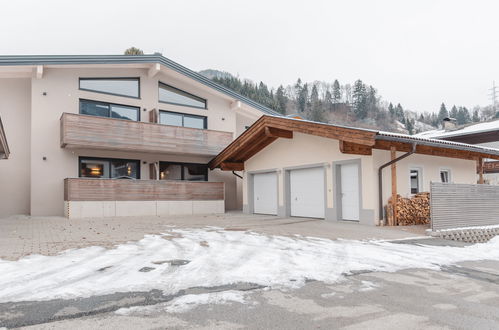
[(92, 132), (87, 189)]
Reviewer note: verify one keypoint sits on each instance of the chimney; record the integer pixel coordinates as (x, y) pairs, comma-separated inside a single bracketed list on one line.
[(449, 124)]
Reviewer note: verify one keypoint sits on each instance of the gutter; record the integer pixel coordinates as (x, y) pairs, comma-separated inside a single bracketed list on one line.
[(380, 179)]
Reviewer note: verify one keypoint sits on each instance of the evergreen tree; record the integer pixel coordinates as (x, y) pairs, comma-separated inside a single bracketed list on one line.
[(443, 113), (463, 116), (336, 91), (453, 112), (328, 101), (410, 125), (399, 113), (315, 104), (359, 97), (281, 99), (476, 116), (391, 110), (303, 98), (134, 51)]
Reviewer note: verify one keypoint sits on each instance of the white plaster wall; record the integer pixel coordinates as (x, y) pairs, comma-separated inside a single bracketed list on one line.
[(15, 104)]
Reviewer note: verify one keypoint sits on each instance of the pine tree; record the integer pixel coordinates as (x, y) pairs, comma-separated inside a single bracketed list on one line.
[(359, 97), (463, 116), (281, 99), (399, 113), (453, 112), (476, 116), (134, 51), (391, 110), (336, 91), (315, 105), (410, 125), (443, 113)]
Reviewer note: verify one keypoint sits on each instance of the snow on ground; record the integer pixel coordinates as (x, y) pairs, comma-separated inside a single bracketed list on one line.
[(186, 303), (217, 257)]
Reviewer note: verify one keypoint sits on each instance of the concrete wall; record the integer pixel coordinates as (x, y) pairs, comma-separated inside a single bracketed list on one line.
[(15, 95), (31, 109), (310, 150)]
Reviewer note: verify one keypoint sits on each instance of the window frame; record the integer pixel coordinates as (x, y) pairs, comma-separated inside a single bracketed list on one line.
[(110, 78), (182, 91), (205, 118), (80, 158), (110, 112), (420, 179), (182, 166), (449, 174)]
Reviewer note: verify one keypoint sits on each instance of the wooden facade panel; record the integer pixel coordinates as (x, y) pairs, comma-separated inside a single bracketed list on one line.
[(83, 189), (91, 132)]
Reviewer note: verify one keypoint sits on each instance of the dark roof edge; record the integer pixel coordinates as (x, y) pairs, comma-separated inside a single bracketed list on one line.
[(16, 60), (436, 143)]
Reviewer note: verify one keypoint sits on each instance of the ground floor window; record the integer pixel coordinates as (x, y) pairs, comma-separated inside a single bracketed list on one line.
[(109, 168), (415, 177), (445, 176), (183, 171)]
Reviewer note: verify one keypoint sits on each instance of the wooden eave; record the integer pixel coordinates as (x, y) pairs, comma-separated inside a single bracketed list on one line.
[(267, 129)]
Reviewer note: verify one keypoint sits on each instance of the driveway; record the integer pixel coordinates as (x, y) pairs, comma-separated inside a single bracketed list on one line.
[(24, 235)]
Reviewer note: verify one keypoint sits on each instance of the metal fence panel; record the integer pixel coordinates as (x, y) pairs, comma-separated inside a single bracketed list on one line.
[(463, 205)]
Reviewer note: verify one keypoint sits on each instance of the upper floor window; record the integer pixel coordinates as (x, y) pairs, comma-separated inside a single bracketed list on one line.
[(169, 94), (109, 168), (129, 87), (182, 119), (445, 175), (111, 110)]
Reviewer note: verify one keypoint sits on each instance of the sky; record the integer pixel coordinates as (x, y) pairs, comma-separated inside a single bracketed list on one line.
[(419, 53)]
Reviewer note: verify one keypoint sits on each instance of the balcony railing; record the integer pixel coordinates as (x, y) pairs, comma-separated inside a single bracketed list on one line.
[(92, 132), (88, 189)]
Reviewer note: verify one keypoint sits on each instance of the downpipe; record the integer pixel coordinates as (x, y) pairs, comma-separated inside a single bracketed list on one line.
[(380, 180), (233, 172)]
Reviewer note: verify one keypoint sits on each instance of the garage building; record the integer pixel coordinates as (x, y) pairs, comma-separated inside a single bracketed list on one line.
[(300, 168)]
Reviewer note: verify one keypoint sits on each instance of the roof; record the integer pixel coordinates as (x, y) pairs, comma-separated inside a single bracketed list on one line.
[(24, 60), (4, 147), (353, 140), (466, 130)]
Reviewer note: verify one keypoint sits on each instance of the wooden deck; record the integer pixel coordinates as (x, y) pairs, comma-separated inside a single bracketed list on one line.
[(91, 132), (87, 189)]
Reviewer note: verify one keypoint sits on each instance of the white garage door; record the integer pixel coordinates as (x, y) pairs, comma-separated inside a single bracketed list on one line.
[(307, 192), (265, 193), (350, 192)]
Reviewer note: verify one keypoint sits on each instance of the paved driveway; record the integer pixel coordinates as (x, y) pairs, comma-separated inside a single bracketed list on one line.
[(23, 235)]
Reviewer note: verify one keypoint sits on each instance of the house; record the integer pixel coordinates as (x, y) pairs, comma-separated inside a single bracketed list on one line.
[(76, 123), (483, 134), (4, 147), (308, 169)]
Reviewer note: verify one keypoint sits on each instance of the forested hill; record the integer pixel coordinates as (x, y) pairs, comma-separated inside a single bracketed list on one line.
[(357, 104)]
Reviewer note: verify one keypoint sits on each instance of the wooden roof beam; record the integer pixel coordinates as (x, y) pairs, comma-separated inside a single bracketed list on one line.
[(274, 132), (354, 148), (232, 166)]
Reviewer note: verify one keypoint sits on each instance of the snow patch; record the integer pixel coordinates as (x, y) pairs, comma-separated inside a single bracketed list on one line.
[(186, 303), (230, 257)]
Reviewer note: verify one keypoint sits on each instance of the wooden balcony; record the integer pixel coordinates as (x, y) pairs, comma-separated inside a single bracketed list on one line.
[(88, 189), (91, 132)]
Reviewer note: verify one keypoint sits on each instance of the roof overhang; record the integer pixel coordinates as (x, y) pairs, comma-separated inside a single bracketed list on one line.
[(26, 66), (352, 141), (4, 147)]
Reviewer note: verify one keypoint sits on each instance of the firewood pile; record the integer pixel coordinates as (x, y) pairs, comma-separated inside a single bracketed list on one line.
[(410, 211)]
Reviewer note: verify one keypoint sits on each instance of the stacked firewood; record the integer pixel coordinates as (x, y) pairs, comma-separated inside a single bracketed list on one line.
[(410, 211)]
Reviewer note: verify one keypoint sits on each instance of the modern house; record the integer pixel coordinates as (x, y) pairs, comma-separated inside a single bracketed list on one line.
[(76, 124), (300, 168), (483, 134)]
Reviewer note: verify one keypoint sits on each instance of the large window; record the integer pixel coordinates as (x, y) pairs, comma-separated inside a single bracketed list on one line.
[(415, 179), (183, 171), (109, 168), (129, 87), (103, 109), (182, 119), (169, 94)]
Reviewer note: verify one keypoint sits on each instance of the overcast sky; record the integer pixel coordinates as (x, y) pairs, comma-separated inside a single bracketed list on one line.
[(418, 53)]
